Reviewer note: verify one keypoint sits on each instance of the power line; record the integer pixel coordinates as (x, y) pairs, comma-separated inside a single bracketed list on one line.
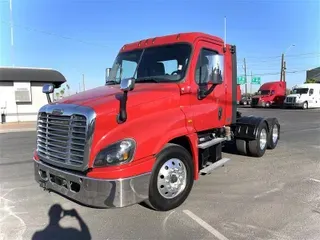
[(292, 58), (278, 73), (279, 56), (52, 34)]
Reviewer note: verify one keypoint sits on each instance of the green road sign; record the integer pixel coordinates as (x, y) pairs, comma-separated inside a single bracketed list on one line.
[(255, 80), (241, 80)]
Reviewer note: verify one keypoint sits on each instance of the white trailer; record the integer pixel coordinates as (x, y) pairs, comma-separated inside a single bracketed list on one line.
[(304, 96)]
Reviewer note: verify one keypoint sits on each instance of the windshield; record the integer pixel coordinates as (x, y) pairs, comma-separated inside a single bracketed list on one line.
[(300, 91), (163, 64), (264, 92)]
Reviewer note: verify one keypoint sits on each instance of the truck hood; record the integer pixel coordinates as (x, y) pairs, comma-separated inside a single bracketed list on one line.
[(106, 98), (261, 96), (296, 95)]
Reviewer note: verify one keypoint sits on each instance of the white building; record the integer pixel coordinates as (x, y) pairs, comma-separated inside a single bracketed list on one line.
[(21, 94)]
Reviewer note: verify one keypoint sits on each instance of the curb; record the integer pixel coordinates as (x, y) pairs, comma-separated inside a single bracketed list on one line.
[(17, 130)]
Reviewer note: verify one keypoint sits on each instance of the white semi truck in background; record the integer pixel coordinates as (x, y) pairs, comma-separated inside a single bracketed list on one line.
[(304, 96)]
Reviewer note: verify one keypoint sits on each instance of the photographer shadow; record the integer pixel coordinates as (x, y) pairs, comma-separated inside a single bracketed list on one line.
[(55, 232)]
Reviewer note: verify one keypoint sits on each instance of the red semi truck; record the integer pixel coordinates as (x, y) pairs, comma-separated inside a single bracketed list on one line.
[(167, 109), (270, 94)]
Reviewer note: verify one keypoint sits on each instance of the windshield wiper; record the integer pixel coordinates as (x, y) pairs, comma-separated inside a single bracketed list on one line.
[(111, 82), (148, 79)]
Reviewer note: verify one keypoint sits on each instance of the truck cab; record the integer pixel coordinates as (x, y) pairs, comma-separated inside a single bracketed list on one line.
[(168, 107), (270, 94), (304, 96)]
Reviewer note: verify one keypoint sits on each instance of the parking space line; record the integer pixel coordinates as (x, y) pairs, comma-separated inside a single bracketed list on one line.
[(315, 180), (205, 225)]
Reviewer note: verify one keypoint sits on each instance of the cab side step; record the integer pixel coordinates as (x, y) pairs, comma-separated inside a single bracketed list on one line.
[(213, 166), (211, 143)]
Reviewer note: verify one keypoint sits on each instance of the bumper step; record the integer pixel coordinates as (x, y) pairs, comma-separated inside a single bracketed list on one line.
[(211, 143), (213, 166)]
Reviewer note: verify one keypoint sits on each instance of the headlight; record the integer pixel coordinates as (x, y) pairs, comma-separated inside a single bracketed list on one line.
[(117, 153)]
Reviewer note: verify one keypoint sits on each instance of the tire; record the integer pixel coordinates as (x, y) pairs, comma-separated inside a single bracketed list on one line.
[(171, 155), (274, 135), (255, 149), (267, 104), (305, 105)]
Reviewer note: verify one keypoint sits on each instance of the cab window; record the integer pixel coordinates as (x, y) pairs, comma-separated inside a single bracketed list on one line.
[(208, 62), (311, 92)]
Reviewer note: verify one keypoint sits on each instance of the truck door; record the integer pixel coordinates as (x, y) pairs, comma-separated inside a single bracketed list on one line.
[(209, 112), (311, 98)]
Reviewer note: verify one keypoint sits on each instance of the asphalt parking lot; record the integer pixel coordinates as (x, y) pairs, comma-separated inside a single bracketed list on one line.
[(274, 197)]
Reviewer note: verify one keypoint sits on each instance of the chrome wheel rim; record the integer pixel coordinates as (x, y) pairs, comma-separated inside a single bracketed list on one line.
[(275, 133), (263, 139), (172, 178)]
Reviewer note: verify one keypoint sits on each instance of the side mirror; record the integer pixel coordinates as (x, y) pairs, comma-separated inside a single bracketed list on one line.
[(127, 84), (107, 73), (47, 89), (216, 77)]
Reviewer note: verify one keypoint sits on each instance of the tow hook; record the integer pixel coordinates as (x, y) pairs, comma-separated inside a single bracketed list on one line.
[(43, 185)]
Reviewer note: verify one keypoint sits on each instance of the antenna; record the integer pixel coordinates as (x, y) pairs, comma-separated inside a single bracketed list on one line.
[(11, 33), (225, 31)]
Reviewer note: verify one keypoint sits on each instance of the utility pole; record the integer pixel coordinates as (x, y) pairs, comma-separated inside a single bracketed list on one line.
[(284, 71), (84, 87), (245, 76), (251, 83), (282, 67)]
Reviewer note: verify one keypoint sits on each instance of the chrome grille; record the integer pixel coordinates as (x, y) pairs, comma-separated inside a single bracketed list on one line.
[(291, 99), (62, 139), (255, 101)]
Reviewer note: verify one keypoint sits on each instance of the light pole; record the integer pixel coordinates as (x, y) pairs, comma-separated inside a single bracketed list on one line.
[(283, 64), (11, 33)]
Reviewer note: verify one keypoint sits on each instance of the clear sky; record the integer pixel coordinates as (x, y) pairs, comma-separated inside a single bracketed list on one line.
[(84, 36)]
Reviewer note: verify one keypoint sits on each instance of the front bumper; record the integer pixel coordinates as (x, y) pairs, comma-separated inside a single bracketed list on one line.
[(92, 192), (295, 104)]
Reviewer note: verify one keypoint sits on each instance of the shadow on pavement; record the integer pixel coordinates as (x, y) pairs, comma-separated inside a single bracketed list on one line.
[(55, 231)]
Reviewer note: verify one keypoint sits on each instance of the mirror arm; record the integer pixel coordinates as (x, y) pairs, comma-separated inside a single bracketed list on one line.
[(122, 115), (202, 93), (48, 98)]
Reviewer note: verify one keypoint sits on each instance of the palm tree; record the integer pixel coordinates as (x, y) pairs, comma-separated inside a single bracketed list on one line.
[(68, 87), (62, 92)]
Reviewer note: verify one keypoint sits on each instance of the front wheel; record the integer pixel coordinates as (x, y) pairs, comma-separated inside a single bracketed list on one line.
[(171, 179), (305, 105)]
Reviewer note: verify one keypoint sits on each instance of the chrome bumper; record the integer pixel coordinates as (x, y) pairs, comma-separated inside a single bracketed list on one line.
[(92, 192)]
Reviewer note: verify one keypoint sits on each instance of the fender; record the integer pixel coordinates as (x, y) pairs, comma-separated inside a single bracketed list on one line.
[(151, 132), (247, 127)]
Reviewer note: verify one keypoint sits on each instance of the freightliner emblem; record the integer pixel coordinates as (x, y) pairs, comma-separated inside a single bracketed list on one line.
[(57, 112)]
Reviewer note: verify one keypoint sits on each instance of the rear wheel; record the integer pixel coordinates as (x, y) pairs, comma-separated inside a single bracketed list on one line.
[(258, 147), (273, 136), (171, 179), (267, 104)]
